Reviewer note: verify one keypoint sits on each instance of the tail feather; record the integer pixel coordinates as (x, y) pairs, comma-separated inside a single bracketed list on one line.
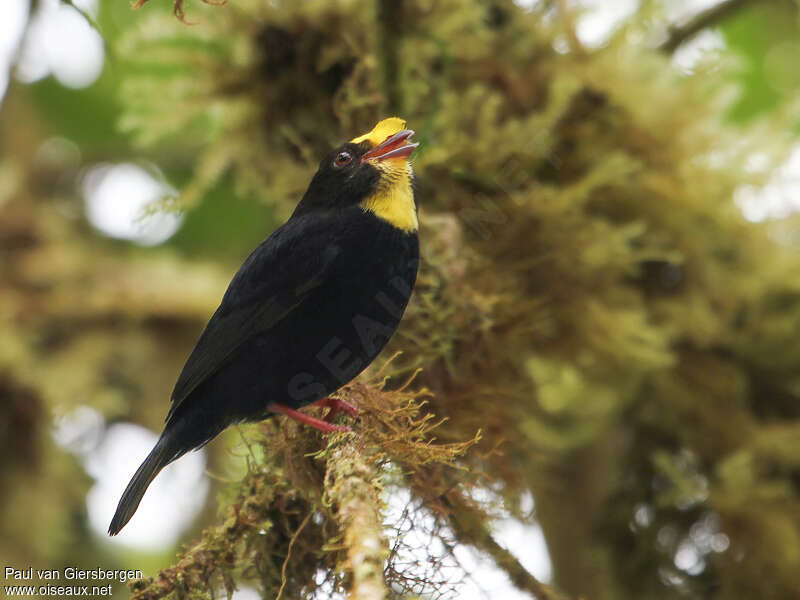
[(160, 456)]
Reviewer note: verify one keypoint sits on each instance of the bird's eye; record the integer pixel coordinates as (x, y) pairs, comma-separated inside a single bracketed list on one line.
[(342, 159)]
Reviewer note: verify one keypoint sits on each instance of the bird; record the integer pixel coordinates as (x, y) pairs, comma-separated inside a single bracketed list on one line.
[(309, 309)]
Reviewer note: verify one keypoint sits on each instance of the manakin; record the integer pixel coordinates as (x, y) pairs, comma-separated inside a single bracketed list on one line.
[(308, 310)]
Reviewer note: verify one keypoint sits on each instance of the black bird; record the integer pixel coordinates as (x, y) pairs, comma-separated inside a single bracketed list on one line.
[(308, 310)]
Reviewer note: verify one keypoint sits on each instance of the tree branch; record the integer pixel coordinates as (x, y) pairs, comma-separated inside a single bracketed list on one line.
[(352, 485), (678, 34), (470, 526)]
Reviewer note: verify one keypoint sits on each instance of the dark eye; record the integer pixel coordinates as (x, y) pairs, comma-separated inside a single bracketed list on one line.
[(342, 159)]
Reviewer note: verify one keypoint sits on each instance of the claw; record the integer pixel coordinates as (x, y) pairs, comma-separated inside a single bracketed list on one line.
[(336, 405)]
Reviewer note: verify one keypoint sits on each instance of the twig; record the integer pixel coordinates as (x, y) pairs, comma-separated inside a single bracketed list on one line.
[(352, 484), (289, 554), (89, 19), (678, 34), (177, 7), (472, 529)]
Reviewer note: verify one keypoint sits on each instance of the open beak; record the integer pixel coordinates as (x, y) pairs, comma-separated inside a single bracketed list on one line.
[(394, 146)]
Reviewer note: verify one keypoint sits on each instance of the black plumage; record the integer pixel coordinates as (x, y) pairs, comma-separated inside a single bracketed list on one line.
[(308, 310)]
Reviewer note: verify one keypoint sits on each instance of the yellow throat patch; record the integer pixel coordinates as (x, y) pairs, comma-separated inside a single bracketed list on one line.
[(393, 199)]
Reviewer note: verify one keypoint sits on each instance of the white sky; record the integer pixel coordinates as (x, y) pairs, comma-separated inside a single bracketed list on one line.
[(779, 198), (117, 197), (61, 43), (13, 14)]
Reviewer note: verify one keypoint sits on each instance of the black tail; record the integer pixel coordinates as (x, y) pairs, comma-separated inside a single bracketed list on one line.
[(160, 456)]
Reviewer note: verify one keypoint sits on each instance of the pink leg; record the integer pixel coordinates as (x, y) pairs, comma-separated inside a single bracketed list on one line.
[(319, 424), (336, 405)]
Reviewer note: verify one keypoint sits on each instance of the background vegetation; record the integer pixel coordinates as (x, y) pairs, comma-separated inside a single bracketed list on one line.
[(600, 342)]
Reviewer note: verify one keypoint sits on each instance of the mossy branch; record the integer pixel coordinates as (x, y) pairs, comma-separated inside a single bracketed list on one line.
[(267, 534), (216, 554), (470, 526), (678, 34), (352, 488)]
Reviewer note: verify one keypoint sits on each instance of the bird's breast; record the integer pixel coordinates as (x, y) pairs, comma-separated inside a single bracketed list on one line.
[(335, 332), (345, 324)]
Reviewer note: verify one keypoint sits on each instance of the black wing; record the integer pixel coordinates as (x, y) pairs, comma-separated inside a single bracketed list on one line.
[(276, 278)]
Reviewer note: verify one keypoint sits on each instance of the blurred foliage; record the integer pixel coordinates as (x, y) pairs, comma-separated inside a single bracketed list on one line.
[(591, 297), (766, 41)]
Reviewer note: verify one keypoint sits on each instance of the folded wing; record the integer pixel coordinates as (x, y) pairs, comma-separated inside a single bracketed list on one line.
[(263, 292)]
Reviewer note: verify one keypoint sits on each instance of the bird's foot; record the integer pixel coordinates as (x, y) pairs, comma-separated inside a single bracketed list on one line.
[(336, 406), (318, 424)]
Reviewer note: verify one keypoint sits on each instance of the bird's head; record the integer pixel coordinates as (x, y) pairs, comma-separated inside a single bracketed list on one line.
[(372, 171)]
